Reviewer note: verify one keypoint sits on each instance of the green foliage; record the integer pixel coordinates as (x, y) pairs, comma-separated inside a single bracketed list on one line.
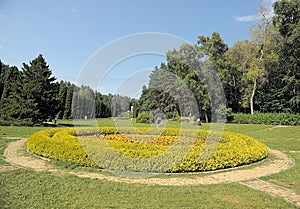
[(143, 117), (287, 19), (260, 74), (14, 108), (59, 145), (28, 97), (269, 118), (67, 106), (83, 103), (40, 87)]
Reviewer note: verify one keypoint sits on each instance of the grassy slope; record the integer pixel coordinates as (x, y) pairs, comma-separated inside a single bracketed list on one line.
[(28, 189)]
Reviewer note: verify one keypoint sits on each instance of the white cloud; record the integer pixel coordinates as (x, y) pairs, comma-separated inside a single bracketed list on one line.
[(249, 18), (268, 2), (269, 13)]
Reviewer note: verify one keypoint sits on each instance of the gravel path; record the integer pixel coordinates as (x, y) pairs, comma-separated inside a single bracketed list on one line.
[(15, 155)]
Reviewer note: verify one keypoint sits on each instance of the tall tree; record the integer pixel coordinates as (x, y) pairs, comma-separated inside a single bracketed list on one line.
[(83, 104), (40, 87), (287, 19), (14, 108), (3, 70), (68, 104), (61, 97), (186, 64), (217, 51)]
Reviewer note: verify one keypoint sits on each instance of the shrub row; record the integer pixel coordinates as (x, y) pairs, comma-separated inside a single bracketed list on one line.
[(269, 118), (138, 150), (59, 144)]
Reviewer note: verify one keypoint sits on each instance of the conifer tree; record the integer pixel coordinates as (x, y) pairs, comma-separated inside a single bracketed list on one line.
[(40, 87)]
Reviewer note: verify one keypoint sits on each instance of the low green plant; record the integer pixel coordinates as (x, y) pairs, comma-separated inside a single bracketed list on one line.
[(106, 145), (143, 117), (269, 118)]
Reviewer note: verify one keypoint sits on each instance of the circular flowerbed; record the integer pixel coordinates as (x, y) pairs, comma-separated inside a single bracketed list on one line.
[(155, 150)]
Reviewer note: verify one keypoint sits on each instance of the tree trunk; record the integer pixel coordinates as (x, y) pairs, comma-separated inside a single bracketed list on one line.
[(206, 117), (252, 97)]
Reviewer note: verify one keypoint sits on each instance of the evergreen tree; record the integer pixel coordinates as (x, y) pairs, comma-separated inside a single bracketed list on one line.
[(14, 108), (68, 103), (39, 86), (62, 98), (3, 70)]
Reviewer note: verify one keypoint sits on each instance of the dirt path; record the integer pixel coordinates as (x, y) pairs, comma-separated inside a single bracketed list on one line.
[(15, 155), (274, 190)]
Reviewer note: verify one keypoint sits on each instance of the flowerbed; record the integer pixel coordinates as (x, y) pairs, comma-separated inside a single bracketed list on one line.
[(144, 150)]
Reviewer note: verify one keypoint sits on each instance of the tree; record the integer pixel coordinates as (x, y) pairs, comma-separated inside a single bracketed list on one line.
[(68, 103), (61, 97), (177, 87), (3, 70), (83, 103), (251, 58), (14, 108), (287, 19), (186, 64), (39, 87), (219, 56)]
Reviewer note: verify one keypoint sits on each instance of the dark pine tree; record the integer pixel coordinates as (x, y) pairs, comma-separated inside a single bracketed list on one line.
[(40, 87)]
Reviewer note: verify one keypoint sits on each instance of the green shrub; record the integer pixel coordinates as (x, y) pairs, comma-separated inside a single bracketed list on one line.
[(240, 117), (143, 117), (269, 118), (59, 144)]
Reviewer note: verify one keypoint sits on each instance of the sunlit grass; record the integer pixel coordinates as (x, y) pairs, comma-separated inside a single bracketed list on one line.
[(24, 188)]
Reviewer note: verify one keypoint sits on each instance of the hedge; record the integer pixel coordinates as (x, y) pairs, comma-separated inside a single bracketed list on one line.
[(268, 118), (144, 150)]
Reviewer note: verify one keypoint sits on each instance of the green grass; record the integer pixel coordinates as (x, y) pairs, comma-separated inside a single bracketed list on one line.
[(17, 131), (28, 189), (289, 179), (3, 144), (125, 123), (284, 138), (25, 188)]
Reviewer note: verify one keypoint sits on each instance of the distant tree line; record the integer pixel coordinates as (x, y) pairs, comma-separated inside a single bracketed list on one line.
[(31, 96), (258, 75)]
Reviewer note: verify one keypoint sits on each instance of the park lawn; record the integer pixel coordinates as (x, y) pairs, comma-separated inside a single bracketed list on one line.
[(28, 189), (18, 131), (24, 188)]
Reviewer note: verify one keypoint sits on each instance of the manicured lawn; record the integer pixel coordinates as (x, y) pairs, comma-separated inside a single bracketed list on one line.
[(24, 188), (15, 131), (28, 189)]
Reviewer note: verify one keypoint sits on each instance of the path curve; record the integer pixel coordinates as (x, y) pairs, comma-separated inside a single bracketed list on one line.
[(15, 155)]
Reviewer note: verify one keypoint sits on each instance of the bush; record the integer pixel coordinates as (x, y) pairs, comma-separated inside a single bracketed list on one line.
[(156, 150), (143, 117), (269, 118), (18, 122), (59, 144)]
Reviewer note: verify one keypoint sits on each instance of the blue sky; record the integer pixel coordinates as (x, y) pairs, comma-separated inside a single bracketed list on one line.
[(68, 33)]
